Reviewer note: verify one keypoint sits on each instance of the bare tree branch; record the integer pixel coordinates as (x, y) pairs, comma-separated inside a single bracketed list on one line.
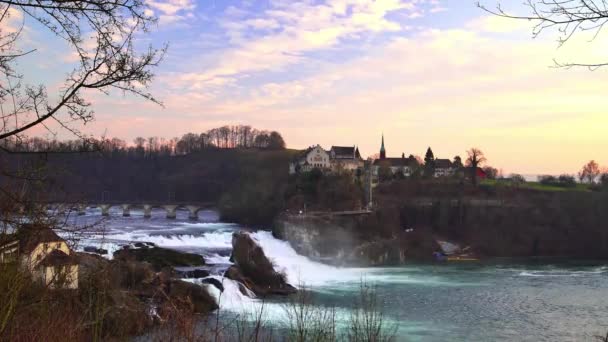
[(102, 35), (567, 17)]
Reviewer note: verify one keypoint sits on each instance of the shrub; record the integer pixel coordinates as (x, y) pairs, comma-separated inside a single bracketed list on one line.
[(367, 321), (563, 181), (567, 181), (517, 179), (547, 180), (307, 322)]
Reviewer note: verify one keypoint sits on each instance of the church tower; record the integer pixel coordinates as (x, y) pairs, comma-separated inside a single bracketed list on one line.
[(382, 150)]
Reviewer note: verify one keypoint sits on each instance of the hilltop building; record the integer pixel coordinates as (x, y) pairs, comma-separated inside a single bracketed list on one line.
[(406, 165), (337, 158), (403, 165), (314, 157), (44, 254), (444, 168), (347, 158)]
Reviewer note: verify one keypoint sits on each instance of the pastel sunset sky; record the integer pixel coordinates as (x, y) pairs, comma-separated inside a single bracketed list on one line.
[(425, 73)]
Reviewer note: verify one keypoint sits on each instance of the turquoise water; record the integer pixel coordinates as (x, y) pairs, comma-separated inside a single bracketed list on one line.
[(501, 300), (494, 302)]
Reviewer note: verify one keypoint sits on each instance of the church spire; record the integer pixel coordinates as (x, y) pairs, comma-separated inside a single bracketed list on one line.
[(382, 150)]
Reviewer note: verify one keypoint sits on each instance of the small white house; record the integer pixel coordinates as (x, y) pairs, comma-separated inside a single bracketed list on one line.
[(444, 168), (44, 254)]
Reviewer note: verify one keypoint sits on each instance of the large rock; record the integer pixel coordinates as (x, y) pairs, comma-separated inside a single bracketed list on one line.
[(192, 274), (254, 270), (160, 258), (212, 281), (196, 295)]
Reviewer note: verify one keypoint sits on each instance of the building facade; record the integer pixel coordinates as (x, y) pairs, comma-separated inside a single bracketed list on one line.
[(345, 158), (444, 168), (44, 254), (396, 166), (314, 157), (336, 159)]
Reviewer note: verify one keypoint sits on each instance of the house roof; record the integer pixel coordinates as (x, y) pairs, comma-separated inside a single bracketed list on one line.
[(30, 236), (343, 150), (443, 164), (349, 152), (401, 162), (302, 153), (58, 258)]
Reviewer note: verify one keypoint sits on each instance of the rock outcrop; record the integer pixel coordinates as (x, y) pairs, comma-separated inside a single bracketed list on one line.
[(254, 270), (160, 258), (195, 295)]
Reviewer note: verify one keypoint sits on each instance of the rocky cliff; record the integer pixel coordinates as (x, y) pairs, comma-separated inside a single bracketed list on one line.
[(403, 229), (372, 240)]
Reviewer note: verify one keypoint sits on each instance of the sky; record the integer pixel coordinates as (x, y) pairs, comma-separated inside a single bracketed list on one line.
[(436, 73)]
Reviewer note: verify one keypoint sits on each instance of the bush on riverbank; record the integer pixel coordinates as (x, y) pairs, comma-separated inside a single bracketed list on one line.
[(115, 300)]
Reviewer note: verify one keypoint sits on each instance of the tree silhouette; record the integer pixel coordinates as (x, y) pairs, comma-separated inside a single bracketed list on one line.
[(590, 172), (457, 162), (429, 163), (475, 158)]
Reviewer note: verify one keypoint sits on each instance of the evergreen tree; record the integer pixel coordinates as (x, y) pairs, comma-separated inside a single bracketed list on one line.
[(458, 162), (429, 163)]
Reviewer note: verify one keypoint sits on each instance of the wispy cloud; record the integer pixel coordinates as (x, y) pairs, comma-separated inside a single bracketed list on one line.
[(172, 11), (286, 32)]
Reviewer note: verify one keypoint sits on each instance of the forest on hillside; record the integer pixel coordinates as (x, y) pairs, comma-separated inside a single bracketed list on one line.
[(195, 167)]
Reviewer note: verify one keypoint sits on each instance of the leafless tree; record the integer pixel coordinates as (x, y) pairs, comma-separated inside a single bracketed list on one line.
[(590, 172), (475, 158), (567, 17), (101, 35)]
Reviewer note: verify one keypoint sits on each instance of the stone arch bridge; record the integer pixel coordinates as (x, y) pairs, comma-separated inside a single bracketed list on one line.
[(170, 209)]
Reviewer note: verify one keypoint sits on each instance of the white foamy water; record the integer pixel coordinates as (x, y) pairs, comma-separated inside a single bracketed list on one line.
[(299, 269), (211, 240), (564, 273)]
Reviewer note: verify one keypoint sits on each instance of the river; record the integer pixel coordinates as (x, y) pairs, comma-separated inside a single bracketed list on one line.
[(498, 300)]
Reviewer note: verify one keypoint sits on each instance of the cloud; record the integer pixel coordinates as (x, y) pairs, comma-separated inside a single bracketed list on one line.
[(12, 22), (496, 24), (283, 34), (172, 11)]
